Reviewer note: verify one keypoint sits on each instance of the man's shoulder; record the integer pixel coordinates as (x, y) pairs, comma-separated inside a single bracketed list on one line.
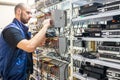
[(12, 27)]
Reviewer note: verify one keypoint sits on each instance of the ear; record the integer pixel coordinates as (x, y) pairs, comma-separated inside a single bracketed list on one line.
[(18, 11)]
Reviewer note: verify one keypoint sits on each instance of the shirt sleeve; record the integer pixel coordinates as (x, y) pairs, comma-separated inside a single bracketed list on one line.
[(12, 36)]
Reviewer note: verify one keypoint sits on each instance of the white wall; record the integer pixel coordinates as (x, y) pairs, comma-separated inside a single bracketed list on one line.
[(30, 2), (7, 12), (6, 15)]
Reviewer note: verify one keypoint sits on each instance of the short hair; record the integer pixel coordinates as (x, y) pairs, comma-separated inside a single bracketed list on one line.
[(20, 5)]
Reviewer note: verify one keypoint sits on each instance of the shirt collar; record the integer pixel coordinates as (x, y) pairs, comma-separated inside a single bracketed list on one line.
[(20, 24)]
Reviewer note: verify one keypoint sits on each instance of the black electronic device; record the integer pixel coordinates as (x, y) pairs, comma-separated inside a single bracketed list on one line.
[(114, 5), (113, 74), (111, 33), (94, 75), (92, 34), (51, 32), (95, 71), (97, 26), (116, 17), (88, 55), (94, 30), (115, 44), (110, 57), (112, 8), (115, 20), (109, 49), (89, 8), (113, 26)]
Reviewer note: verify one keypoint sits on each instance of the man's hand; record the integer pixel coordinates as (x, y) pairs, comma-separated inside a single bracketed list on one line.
[(47, 22), (52, 42)]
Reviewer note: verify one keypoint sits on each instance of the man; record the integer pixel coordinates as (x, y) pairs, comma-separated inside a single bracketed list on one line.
[(16, 47)]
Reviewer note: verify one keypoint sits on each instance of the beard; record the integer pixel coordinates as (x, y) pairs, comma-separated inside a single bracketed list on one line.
[(23, 20)]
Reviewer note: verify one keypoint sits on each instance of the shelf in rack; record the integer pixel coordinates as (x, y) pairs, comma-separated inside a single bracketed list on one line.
[(82, 2), (100, 39), (77, 2), (81, 77), (51, 58), (78, 48), (55, 58), (97, 61), (58, 5), (100, 16)]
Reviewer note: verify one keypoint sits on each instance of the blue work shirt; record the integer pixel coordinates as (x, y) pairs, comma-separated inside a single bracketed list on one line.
[(14, 62)]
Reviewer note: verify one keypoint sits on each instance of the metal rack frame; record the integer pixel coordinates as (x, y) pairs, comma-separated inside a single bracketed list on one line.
[(102, 16)]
